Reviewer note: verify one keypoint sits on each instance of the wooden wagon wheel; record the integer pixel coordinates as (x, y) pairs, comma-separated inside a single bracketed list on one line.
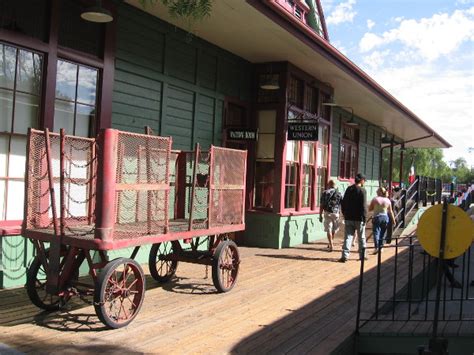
[(36, 285), (160, 269), (119, 292), (225, 266)]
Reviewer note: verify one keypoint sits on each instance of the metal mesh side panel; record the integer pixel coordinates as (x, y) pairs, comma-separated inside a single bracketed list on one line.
[(201, 191), (143, 179), (79, 184), (228, 186)]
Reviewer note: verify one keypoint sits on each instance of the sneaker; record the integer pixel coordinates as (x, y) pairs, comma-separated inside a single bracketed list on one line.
[(365, 258), (342, 260), (375, 252)]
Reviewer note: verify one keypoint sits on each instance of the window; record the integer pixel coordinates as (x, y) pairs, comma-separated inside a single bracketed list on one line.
[(325, 111), (265, 160), (311, 99), (292, 172), (295, 92), (307, 179), (20, 92), (76, 96), (264, 182), (348, 154), (322, 160)]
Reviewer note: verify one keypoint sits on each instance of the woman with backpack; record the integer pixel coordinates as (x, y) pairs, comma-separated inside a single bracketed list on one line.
[(329, 207)]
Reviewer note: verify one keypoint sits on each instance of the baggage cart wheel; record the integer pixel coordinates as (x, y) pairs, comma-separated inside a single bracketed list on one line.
[(225, 266), (119, 292), (36, 287), (163, 270)]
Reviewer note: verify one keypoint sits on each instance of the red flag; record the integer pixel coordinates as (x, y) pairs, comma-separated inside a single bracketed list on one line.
[(411, 175)]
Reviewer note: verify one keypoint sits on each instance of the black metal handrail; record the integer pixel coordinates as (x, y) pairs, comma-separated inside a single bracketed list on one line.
[(403, 290), (421, 191)]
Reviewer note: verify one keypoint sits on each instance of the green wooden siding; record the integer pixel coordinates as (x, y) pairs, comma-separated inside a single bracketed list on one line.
[(172, 82), (369, 146)]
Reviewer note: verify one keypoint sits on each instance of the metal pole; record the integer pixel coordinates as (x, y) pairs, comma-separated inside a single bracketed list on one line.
[(400, 179), (435, 343), (361, 283)]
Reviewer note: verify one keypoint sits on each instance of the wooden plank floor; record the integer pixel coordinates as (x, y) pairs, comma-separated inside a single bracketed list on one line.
[(298, 300)]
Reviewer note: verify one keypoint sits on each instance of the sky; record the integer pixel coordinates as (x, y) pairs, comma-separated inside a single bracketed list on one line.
[(422, 52)]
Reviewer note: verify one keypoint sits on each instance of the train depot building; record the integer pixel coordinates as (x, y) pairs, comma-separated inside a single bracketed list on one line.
[(258, 75)]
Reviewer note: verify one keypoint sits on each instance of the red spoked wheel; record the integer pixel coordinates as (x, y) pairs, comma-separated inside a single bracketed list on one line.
[(36, 278), (36, 287), (119, 292), (160, 269), (225, 266)]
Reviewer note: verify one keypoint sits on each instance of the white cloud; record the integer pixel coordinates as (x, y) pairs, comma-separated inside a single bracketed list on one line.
[(430, 37), (343, 12), (370, 24), (338, 45), (376, 59), (370, 41), (444, 98)]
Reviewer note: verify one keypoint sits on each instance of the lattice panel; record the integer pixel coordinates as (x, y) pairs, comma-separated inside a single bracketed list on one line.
[(75, 197), (228, 186), (143, 180)]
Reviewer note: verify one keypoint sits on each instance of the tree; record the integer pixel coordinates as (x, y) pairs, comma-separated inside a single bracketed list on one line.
[(427, 162), (189, 10)]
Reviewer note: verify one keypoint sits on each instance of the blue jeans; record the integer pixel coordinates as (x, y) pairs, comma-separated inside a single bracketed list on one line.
[(380, 225), (352, 227)]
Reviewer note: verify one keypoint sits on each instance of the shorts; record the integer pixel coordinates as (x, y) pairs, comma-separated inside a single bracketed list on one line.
[(331, 222)]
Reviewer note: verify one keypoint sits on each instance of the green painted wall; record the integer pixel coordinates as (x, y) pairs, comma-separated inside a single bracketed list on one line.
[(369, 145), (174, 83), (273, 231), (165, 79)]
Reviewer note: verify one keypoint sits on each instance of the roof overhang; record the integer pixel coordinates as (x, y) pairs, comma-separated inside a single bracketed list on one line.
[(258, 31)]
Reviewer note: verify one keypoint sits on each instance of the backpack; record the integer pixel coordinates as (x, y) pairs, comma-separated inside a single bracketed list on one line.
[(331, 201)]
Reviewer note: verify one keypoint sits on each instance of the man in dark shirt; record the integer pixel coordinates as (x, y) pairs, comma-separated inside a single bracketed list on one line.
[(354, 209)]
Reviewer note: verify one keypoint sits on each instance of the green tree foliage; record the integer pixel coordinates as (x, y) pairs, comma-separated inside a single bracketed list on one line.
[(427, 162), (189, 10)]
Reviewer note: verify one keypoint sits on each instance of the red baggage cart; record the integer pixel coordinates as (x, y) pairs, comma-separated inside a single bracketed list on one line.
[(84, 197)]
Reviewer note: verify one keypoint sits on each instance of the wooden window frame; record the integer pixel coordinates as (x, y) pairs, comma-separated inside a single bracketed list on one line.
[(51, 52), (354, 144)]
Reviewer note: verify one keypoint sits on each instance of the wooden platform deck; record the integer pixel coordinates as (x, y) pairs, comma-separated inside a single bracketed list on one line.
[(298, 300)]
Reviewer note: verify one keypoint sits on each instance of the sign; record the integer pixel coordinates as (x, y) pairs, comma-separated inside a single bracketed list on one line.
[(242, 134), (459, 231), (302, 131)]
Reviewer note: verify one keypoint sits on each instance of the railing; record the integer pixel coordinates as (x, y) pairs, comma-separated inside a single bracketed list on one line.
[(423, 190), (404, 287)]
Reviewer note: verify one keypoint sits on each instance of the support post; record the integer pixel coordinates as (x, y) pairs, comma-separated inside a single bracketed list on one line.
[(418, 190), (52, 281), (193, 189), (400, 179), (425, 192), (390, 170), (106, 188), (438, 345)]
